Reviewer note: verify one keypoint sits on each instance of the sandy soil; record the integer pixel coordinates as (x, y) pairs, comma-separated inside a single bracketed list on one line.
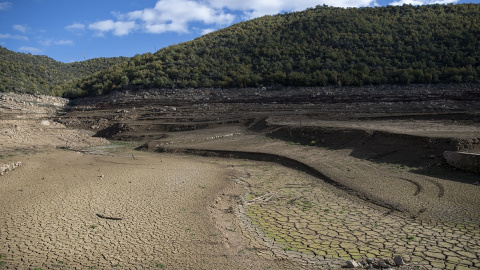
[(51, 207), (380, 209)]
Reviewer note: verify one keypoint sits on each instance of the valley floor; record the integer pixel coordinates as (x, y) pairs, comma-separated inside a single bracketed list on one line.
[(245, 190)]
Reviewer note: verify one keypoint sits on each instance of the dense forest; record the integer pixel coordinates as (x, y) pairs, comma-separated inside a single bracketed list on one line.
[(319, 46), (26, 73)]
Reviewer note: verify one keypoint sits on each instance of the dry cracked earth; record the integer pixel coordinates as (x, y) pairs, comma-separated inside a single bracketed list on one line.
[(238, 183)]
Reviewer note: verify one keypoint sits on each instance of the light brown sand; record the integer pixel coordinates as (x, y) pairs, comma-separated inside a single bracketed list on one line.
[(48, 217)]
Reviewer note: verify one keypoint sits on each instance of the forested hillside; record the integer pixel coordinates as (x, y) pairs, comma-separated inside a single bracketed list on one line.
[(26, 73), (320, 46)]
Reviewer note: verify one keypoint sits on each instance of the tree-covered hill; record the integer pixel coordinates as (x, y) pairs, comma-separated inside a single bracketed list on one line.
[(319, 46), (26, 73)]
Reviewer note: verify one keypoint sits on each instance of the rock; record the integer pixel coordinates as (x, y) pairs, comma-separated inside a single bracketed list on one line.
[(389, 261), (399, 260), (352, 264), (382, 264), (370, 260)]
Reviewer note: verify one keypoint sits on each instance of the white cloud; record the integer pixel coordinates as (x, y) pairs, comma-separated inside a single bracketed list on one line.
[(179, 15), (31, 50), (46, 42), (166, 16), (9, 36), (176, 15), (75, 26), (20, 28), (422, 2), (256, 8), (118, 28), (49, 41), (63, 42), (208, 31), (5, 5)]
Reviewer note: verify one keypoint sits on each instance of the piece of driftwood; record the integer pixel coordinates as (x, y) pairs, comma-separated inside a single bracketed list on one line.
[(111, 218)]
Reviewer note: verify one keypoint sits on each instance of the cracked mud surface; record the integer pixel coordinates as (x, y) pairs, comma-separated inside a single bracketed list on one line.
[(49, 214), (300, 214), (434, 224)]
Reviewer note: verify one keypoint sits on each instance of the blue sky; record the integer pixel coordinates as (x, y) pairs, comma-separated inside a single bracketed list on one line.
[(67, 29)]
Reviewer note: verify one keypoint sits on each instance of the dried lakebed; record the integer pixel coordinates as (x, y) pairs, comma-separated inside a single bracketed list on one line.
[(301, 218), (54, 204), (317, 206), (50, 206), (135, 210)]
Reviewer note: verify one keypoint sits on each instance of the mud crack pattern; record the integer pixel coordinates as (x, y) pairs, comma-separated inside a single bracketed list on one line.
[(49, 220), (300, 217)]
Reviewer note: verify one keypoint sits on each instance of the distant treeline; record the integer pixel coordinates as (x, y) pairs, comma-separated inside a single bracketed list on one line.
[(26, 73)]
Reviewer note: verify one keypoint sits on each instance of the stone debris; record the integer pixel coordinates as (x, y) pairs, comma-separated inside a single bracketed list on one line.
[(399, 260), (221, 136), (28, 122), (353, 264), (386, 263), (8, 167), (31, 104)]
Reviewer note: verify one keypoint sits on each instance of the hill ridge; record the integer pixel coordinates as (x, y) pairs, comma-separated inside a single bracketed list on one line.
[(26, 73), (316, 47)]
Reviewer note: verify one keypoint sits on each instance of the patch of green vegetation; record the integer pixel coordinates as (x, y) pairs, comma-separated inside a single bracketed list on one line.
[(306, 205), (93, 226), (160, 265)]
